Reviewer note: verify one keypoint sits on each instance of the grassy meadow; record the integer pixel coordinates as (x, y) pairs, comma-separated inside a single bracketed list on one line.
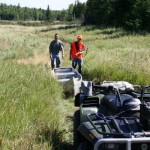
[(33, 110)]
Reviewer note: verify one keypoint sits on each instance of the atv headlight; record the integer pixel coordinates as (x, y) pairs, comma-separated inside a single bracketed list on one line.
[(111, 146), (144, 147)]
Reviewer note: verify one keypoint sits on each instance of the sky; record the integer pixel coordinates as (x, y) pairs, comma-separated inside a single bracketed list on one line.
[(53, 4)]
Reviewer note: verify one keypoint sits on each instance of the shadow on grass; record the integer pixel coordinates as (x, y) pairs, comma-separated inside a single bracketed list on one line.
[(54, 139), (113, 32), (67, 95), (116, 35), (88, 75), (61, 28)]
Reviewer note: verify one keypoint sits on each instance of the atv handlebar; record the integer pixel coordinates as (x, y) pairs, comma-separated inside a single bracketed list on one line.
[(143, 91), (140, 91)]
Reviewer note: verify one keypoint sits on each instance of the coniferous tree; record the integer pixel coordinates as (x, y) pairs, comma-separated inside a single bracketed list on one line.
[(79, 10), (35, 14), (129, 14), (48, 14), (70, 13)]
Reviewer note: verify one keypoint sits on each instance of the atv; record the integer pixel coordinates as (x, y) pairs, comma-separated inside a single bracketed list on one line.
[(114, 115)]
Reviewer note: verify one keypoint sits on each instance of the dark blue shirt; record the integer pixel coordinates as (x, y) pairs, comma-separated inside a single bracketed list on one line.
[(55, 47)]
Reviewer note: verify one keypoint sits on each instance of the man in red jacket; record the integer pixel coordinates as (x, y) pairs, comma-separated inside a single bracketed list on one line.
[(76, 53)]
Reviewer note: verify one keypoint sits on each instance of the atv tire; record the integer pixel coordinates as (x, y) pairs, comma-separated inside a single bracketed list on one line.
[(76, 134), (85, 146)]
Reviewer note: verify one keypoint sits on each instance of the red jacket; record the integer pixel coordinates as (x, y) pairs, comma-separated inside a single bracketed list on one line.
[(76, 48)]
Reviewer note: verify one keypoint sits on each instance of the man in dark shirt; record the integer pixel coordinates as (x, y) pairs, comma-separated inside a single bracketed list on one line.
[(54, 50)]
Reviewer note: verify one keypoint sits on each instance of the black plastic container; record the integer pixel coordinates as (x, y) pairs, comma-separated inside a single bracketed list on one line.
[(145, 115)]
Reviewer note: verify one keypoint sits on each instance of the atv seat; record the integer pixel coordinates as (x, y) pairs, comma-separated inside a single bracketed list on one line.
[(126, 102)]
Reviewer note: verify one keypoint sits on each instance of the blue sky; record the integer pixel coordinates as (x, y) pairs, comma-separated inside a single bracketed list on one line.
[(54, 4)]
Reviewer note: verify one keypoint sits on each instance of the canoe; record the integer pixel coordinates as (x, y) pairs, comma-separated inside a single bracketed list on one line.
[(70, 78)]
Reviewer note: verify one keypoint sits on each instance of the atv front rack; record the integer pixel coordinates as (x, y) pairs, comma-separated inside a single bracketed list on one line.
[(124, 132), (130, 143)]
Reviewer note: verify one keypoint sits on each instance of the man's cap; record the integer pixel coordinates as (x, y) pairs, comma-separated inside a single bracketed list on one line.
[(79, 37)]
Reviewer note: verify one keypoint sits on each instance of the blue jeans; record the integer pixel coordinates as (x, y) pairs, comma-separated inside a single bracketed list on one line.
[(57, 59), (77, 61)]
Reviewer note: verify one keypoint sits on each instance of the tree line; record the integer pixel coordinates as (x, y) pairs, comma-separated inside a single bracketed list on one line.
[(129, 14), (10, 12)]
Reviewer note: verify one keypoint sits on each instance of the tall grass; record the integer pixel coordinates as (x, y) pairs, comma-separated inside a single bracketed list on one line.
[(33, 110), (20, 42), (30, 112), (114, 54), (30, 101)]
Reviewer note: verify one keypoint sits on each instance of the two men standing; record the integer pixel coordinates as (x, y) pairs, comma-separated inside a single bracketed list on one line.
[(76, 52)]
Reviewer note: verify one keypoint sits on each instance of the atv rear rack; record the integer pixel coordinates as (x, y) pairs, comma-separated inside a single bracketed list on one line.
[(127, 130)]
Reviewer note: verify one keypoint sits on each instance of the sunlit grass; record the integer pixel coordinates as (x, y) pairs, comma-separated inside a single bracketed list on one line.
[(116, 55), (33, 109), (30, 106)]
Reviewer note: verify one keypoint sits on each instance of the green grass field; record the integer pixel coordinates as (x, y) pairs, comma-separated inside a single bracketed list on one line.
[(33, 108)]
